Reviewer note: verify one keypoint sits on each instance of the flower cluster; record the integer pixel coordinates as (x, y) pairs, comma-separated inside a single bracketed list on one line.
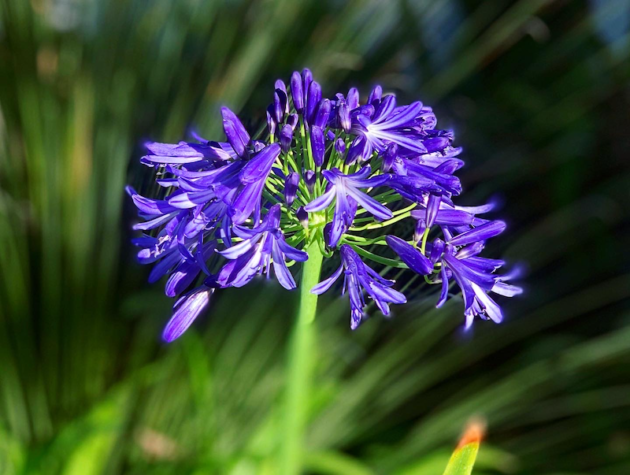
[(334, 172)]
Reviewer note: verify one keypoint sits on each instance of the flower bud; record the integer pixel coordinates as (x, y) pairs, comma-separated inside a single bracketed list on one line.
[(312, 100), (283, 87), (343, 116), (297, 91), (291, 187), (302, 216), (292, 121), (353, 98), (340, 146), (279, 104), (375, 95), (321, 116), (309, 179), (286, 137), (318, 144), (389, 157), (271, 122), (235, 132)]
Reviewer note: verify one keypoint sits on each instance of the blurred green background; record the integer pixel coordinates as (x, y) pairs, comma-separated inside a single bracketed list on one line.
[(538, 94)]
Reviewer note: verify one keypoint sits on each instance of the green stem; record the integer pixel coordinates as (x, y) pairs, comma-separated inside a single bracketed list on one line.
[(300, 367)]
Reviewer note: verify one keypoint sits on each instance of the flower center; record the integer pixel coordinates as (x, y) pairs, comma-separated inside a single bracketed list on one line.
[(317, 220)]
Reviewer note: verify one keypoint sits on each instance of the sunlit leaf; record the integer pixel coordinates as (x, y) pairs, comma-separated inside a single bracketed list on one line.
[(463, 459)]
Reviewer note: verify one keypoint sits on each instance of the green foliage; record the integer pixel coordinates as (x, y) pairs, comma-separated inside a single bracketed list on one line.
[(537, 94)]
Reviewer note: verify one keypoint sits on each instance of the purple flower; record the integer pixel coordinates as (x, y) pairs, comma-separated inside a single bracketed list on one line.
[(474, 276), (255, 252), (330, 171), (390, 125), (345, 189), (360, 278)]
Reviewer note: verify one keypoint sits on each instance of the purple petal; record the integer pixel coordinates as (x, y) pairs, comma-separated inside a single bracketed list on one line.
[(462, 272), (483, 232), (506, 290), (187, 309), (181, 149), (168, 159), (446, 217), (433, 207), (280, 268), (235, 131), (490, 306), (359, 149), (246, 201), (403, 118), (372, 206), (149, 206), (406, 140), (187, 199), (385, 108), (434, 144), (291, 252), (242, 271), (326, 284), (410, 255), (258, 168), (322, 202), (444, 291), (153, 223), (389, 157), (345, 210), (239, 249), (169, 259), (183, 275)]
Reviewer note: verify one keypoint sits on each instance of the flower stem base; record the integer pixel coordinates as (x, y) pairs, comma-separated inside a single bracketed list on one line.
[(300, 367)]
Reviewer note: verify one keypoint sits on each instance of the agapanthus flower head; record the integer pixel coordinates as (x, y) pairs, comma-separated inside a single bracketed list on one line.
[(328, 171)]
